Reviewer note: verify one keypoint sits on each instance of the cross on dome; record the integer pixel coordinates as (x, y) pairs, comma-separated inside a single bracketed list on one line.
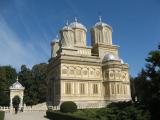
[(67, 23), (100, 23), (77, 24), (75, 19), (100, 18)]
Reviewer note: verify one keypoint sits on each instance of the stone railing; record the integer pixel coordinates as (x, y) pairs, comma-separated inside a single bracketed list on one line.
[(4, 108), (81, 106), (90, 105), (43, 107), (38, 107)]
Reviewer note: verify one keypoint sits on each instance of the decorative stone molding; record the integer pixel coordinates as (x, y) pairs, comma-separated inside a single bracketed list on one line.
[(69, 70)]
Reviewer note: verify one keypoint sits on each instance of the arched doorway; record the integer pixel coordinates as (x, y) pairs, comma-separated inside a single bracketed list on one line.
[(16, 102)]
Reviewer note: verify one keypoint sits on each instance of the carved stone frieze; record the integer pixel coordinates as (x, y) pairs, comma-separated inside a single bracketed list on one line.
[(69, 70)]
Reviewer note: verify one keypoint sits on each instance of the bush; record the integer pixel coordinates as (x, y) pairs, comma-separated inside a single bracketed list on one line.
[(1, 115), (56, 115), (68, 106), (89, 113), (114, 111), (117, 111), (124, 111)]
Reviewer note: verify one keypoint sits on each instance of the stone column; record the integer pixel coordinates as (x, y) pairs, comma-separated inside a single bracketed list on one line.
[(10, 101), (11, 104), (21, 102)]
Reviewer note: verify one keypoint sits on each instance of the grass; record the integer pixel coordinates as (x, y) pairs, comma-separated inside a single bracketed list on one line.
[(1, 115)]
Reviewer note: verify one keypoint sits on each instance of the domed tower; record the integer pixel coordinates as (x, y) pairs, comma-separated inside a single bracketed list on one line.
[(79, 33), (115, 78), (67, 36), (101, 39), (101, 33), (54, 47)]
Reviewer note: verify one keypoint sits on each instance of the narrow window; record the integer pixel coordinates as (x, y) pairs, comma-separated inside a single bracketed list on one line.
[(95, 89), (118, 88), (68, 88), (124, 89), (112, 88), (82, 88)]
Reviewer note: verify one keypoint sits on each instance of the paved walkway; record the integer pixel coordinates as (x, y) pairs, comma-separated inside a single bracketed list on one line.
[(26, 116)]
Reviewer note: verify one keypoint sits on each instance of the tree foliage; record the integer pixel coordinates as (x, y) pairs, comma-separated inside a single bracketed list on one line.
[(39, 76), (117, 111), (32, 79), (147, 84), (34, 82), (26, 79), (7, 78)]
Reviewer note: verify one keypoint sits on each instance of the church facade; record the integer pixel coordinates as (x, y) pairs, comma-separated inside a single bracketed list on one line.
[(90, 76)]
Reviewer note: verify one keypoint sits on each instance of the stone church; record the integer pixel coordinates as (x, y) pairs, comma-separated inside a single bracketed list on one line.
[(91, 76)]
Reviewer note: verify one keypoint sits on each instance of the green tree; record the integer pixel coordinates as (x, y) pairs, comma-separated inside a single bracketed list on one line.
[(34, 82), (133, 92), (124, 111), (147, 84), (7, 78), (26, 78), (39, 76)]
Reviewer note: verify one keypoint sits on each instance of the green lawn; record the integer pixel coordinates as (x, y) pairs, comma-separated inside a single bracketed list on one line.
[(1, 115)]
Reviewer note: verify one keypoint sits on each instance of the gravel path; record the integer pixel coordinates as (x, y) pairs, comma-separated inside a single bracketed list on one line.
[(26, 116)]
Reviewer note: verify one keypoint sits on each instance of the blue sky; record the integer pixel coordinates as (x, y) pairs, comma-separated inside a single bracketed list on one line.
[(28, 26)]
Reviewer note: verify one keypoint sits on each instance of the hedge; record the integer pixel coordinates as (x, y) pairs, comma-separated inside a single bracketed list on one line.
[(68, 107), (1, 115), (57, 115)]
